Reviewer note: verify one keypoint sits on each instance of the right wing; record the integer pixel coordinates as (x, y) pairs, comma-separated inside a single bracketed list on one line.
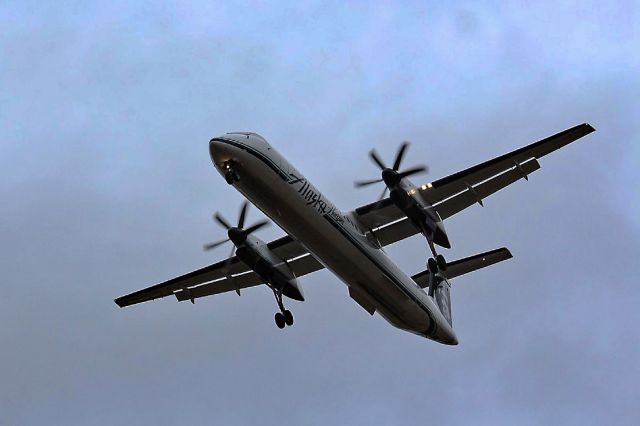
[(460, 190), (227, 275)]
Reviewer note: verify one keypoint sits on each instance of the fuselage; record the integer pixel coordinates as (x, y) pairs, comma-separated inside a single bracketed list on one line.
[(334, 238)]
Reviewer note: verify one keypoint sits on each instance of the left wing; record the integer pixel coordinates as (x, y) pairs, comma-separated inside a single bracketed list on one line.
[(227, 275), (460, 190)]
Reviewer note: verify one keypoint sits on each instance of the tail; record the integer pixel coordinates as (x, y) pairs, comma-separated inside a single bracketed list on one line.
[(438, 283)]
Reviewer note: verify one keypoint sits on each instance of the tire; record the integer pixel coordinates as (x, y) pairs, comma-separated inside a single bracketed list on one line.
[(229, 177), (280, 322), (432, 265), (288, 317), (442, 264)]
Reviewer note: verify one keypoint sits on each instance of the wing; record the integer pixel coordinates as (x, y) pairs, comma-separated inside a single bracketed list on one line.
[(460, 190), (227, 275)]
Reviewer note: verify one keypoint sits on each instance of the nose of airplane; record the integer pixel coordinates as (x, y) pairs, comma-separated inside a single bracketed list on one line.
[(220, 151), (215, 148)]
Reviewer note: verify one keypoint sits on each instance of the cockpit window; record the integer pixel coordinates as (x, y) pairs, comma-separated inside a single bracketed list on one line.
[(248, 134), (245, 134)]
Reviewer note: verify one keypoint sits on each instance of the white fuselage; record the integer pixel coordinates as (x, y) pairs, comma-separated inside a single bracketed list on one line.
[(335, 239)]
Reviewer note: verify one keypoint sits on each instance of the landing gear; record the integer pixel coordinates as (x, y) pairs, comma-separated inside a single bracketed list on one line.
[(284, 317), (437, 262), (288, 317), (231, 176), (432, 265), (280, 321)]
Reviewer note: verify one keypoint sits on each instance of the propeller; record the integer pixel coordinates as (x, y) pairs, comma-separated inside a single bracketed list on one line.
[(391, 176), (236, 234)]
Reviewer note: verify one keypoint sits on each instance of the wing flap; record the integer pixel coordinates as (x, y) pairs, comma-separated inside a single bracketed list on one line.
[(377, 214), (224, 276), (300, 266), (460, 190), (286, 247), (223, 285), (457, 182), (396, 231), (304, 265), (475, 194), (209, 273), (403, 228)]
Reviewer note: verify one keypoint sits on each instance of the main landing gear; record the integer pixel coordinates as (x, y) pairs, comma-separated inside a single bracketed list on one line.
[(437, 262), (284, 317), (231, 176)]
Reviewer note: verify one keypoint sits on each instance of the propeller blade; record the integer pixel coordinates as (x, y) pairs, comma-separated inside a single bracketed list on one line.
[(243, 214), (221, 220), (401, 151), (255, 227), (213, 245), (361, 183), (376, 159), (413, 171), (384, 193)]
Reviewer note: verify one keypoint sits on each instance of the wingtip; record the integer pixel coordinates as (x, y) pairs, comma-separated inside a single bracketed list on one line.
[(508, 252)]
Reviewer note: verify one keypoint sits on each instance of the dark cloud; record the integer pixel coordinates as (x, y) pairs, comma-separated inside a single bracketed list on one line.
[(105, 114)]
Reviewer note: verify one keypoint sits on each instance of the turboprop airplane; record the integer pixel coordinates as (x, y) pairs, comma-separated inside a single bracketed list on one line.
[(350, 244)]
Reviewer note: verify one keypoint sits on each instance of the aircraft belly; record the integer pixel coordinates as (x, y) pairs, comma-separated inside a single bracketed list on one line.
[(284, 205)]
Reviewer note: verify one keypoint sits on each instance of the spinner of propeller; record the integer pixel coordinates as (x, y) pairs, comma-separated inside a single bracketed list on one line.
[(236, 234), (391, 176)]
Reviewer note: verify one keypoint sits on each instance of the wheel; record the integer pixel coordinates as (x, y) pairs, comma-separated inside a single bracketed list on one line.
[(288, 317), (442, 264), (280, 321), (432, 265)]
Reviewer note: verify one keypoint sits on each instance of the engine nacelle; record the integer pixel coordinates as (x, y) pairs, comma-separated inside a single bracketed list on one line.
[(272, 270), (293, 290), (421, 214)]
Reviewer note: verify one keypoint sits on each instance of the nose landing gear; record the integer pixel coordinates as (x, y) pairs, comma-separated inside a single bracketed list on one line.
[(284, 317), (231, 175)]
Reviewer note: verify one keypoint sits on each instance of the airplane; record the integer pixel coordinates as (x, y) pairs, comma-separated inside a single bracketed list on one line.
[(350, 244)]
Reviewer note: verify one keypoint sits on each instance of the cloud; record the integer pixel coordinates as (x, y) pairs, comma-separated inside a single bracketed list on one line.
[(106, 111)]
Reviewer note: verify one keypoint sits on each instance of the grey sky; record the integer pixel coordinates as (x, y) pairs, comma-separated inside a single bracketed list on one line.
[(105, 114)]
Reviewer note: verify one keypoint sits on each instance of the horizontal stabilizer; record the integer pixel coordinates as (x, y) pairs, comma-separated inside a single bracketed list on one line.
[(466, 265)]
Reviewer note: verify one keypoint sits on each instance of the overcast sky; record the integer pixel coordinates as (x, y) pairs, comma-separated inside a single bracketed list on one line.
[(106, 109)]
